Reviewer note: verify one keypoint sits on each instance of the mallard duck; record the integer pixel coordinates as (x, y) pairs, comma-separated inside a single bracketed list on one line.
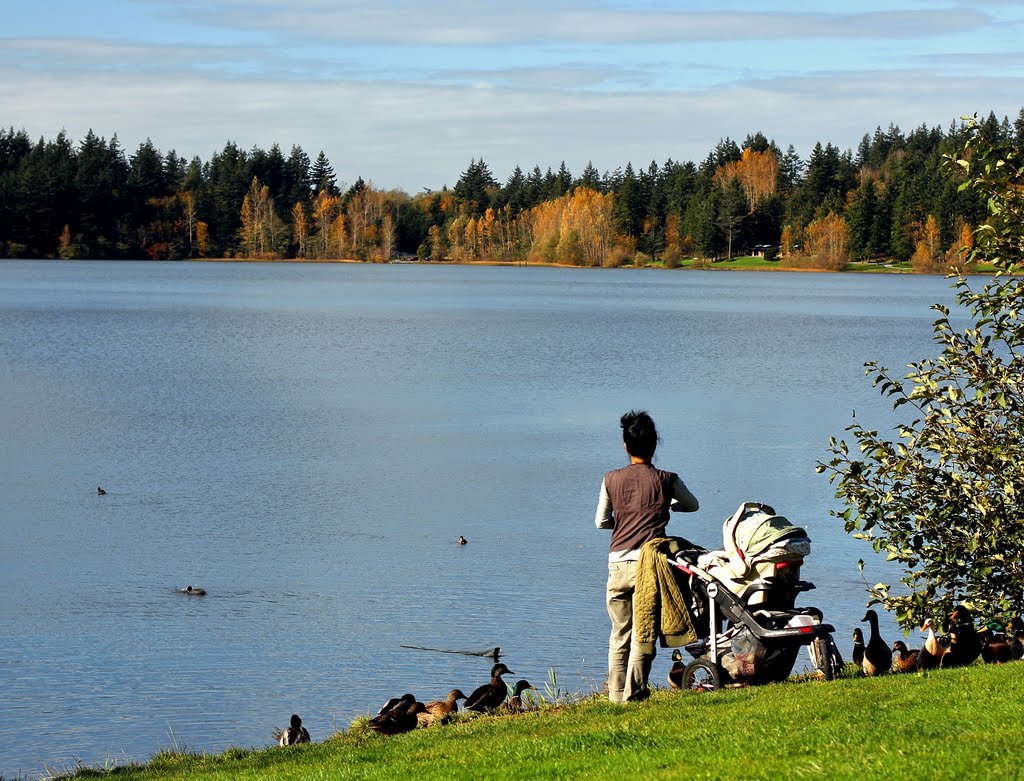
[(675, 672), (439, 710), (490, 695), (100, 491), (402, 717), (858, 647), (996, 647), (296, 733), (194, 591), (964, 644), (877, 653), (906, 659), (514, 704)]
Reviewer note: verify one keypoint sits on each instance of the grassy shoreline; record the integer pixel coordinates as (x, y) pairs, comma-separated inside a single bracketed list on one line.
[(940, 724)]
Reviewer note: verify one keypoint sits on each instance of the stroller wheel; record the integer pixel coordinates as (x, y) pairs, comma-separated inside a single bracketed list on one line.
[(701, 675)]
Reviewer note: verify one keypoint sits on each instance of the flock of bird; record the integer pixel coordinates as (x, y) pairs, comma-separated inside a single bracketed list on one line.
[(962, 645), (406, 713)]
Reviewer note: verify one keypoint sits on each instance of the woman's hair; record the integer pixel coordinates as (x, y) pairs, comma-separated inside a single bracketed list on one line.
[(639, 434)]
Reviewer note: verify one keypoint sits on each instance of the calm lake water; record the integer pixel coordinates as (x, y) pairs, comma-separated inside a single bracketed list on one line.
[(307, 442)]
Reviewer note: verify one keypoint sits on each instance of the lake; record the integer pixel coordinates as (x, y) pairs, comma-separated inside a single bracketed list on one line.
[(307, 442)]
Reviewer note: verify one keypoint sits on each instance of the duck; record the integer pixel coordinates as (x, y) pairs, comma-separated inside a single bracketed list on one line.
[(194, 591), (440, 710), (996, 646), (296, 733), (490, 695), (964, 643), (877, 653), (402, 717), (100, 491), (858, 647), (515, 702), (387, 707), (906, 659), (675, 672), (932, 649), (462, 540), (1015, 631)]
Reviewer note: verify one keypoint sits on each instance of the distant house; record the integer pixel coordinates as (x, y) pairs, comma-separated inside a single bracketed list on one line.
[(766, 251)]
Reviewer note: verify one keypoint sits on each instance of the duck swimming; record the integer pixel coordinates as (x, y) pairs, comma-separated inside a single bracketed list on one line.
[(194, 591), (100, 491), (490, 695)]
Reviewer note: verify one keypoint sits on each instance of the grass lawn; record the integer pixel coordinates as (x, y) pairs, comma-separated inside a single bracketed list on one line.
[(943, 724)]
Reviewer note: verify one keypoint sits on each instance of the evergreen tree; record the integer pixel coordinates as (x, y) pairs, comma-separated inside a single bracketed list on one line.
[(322, 175)]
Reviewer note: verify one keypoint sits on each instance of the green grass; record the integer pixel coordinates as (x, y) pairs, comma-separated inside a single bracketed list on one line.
[(942, 724)]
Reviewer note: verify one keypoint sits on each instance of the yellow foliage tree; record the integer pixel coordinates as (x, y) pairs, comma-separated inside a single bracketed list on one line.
[(928, 255), (300, 229), (827, 241), (757, 172)]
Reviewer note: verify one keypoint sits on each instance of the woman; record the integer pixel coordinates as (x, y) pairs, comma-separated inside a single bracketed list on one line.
[(634, 503)]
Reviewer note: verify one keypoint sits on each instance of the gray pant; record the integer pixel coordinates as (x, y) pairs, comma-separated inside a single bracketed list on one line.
[(628, 668)]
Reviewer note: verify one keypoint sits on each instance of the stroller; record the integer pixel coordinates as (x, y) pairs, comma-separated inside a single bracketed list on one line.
[(749, 630)]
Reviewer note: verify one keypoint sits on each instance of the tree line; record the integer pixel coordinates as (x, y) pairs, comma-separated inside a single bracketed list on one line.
[(888, 200)]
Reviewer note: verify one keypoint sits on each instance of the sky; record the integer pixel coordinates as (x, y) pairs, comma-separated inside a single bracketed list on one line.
[(406, 94)]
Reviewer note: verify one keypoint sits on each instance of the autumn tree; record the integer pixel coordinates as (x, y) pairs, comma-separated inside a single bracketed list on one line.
[(827, 240), (928, 256), (300, 229)]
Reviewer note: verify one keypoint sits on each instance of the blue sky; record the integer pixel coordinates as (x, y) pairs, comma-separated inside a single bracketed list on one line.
[(406, 93)]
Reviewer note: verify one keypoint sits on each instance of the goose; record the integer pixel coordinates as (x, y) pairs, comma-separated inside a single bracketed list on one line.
[(877, 654), (490, 695)]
